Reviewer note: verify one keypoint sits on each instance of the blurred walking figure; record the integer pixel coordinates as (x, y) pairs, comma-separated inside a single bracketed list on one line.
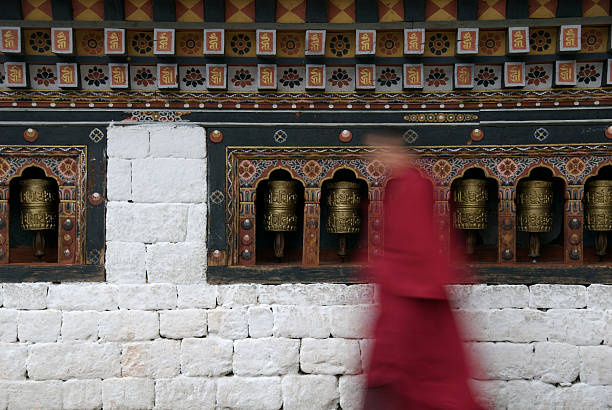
[(418, 361)]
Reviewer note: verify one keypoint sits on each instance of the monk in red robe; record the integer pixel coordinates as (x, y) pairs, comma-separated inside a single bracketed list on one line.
[(418, 360)]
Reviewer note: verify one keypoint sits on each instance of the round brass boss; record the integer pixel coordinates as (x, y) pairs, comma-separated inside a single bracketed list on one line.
[(534, 202), (598, 206), (280, 201), (470, 197), (38, 199), (343, 206)]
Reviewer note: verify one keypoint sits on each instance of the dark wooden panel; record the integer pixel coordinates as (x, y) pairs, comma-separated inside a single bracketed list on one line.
[(517, 9), (467, 10), (569, 8), (164, 10), (214, 10), (316, 11), (414, 10), (265, 11), (114, 10), (24, 273), (12, 10), (366, 11), (62, 9)]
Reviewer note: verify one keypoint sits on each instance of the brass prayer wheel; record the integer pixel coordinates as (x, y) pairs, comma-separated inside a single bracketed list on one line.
[(38, 202), (343, 208), (535, 200), (280, 202), (470, 197), (598, 206)]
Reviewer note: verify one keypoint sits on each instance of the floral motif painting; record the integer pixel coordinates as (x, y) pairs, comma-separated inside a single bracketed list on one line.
[(340, 78), (441, 43), (594, 40), (37, 42), (140, 43), (94, 77), (189, 43), (240, 44), (290, 44), (291, 78), (589, 74), (43, 76), (339, 45), (543, 41), (492, 43), (143, 77), (438, 78), (488, 77), (538, 76), (89, 42), (192, 77), (389, 78), (242, 78), (389, 44)]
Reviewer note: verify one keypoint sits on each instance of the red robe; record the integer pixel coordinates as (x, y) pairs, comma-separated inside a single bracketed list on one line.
[(418, 356)]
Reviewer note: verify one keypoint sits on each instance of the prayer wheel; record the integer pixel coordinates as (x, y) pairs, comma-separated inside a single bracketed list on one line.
[(535, 200), (343, 216), (470, 197), (38, 203), (598, 212), (280, 215)]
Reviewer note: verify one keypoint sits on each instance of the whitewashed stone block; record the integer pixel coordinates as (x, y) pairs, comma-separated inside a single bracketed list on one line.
[(118, 179), (1, 296), (576, 327), (176, 262), (310, 392), (301, 321), (129, 325), (228, 323), (352, 391), (28, 395), (39, 325), (78, 360), (365, 348), (491, 394), (13, 358), (236, 295), (583, 396), (488, 297), (249, 393), (286, 294), (160, 358), (556, 362), (599, 297), (261, 321), (557, 296), (128, 392), (504, 361), (523, 394), (211, 356), (148, 223), (518, 325), (168, 179), (352, 321), (127, 141), (8, 325), (125, 262), (330, 356), (82, 297), (196, 223), (266, 357), (80, 325), (474, 325), (187, 393), (361, 294), (178, 141), (596, 365), (178, 324), (197, 296), (82, 394), (154, 296), (25, 295)]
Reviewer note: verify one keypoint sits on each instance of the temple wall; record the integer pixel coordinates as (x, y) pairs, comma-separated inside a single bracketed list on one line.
[(156, 335)]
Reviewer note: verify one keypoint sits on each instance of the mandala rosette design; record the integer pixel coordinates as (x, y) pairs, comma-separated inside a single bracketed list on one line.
[(340, 78), (242, 78), (5, 168), (193, 77), (507, 168), (540, 41), (40, 42), (95, 76), (190, 43), (93, 43), (291, 78), (144, 77), (339, 45), (45, 76), (441, 169), (437, 77), (67, 168), (592, 40), (142, 43), (246, 170), (312, 169), (388, 77), (537, 75), (575, 167), (376, 169), (486, 77), (588, 74), (241, 44), (291, 44), (491, 42), (388, 44), (438, 44)]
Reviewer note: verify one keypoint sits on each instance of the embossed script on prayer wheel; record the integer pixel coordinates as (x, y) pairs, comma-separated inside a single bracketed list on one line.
[(535, 206), (470, 197), (598, 206), (280, 202), (343, 203), (38, 199)]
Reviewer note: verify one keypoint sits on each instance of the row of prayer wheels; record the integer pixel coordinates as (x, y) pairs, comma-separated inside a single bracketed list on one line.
[(343, 218), (534, 203)]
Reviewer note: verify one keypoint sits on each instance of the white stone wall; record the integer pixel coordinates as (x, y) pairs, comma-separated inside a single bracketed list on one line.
[(156, 335)]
